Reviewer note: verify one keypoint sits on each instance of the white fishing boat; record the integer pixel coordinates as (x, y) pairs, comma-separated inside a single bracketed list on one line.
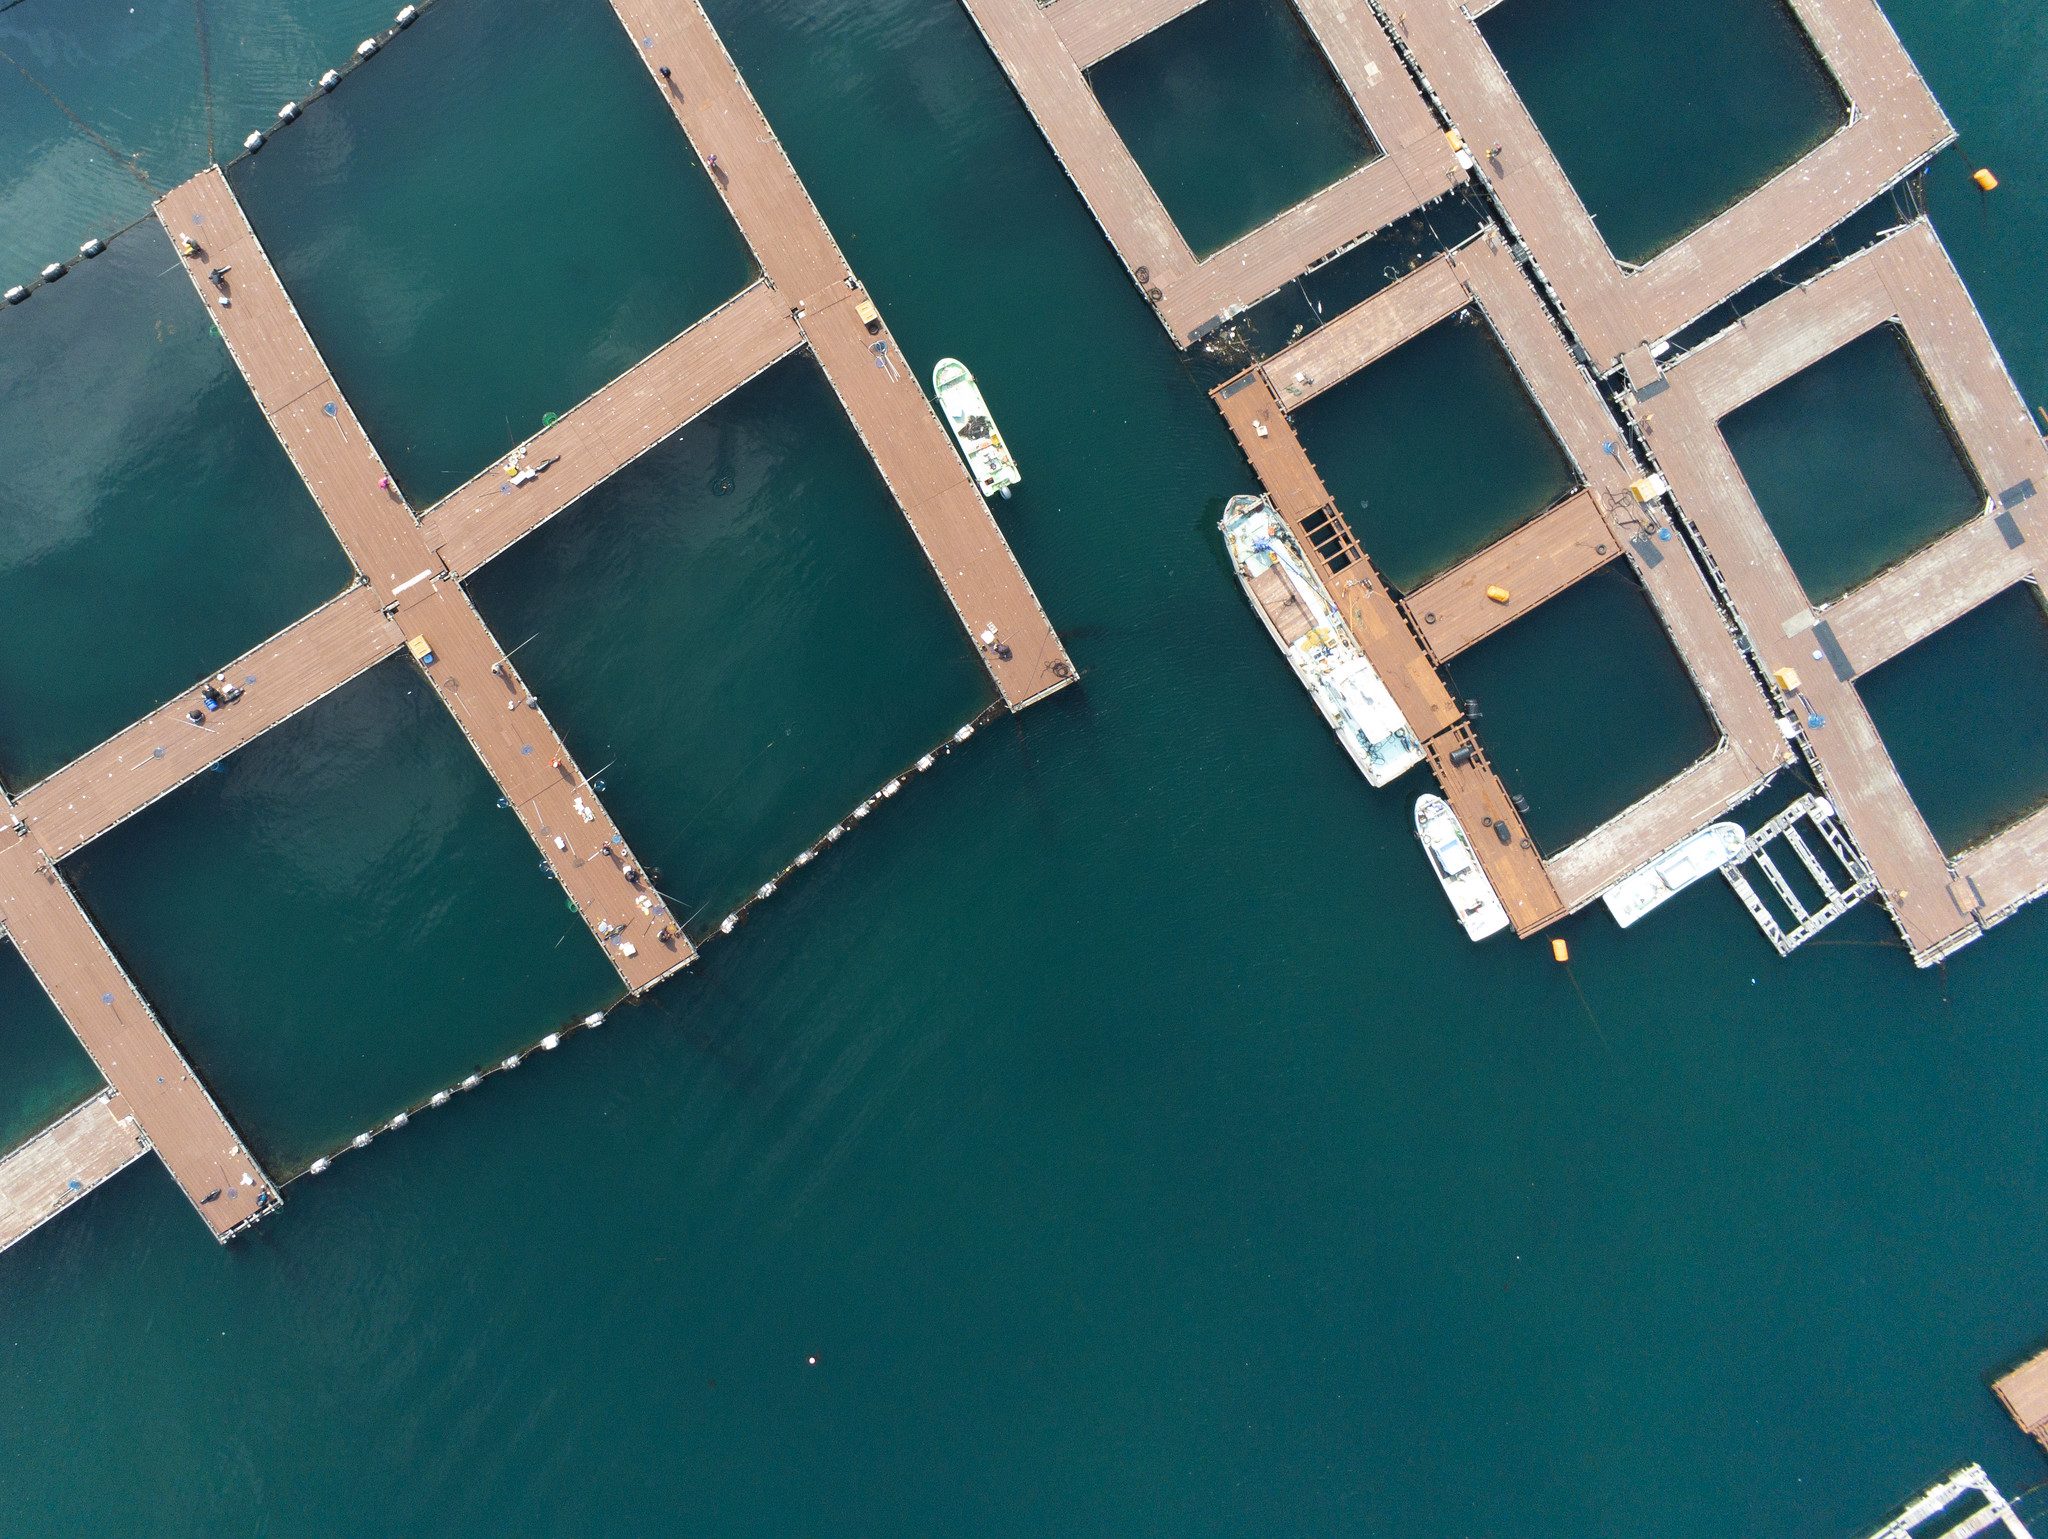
[(966, 413), (1305, 625), (1456, 865), (1672, 872)]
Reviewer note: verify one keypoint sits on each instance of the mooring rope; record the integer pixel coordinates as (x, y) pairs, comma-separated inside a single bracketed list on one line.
[(133, 165)]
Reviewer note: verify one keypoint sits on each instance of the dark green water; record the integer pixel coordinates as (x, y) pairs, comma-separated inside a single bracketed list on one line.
[(457, 308), (1423, 486), (743, 622), (1233, 114), (46, 1069), (1584, 705), (1121, 1121), (151, 527), (341, 920), (1965, 715), (1851, 464), (1696, 105)]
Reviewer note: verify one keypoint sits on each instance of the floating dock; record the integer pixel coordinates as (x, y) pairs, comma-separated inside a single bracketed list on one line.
[(410, 595), (2024, 1392), (88, 1145), (1963, 1506), (1591, 338)]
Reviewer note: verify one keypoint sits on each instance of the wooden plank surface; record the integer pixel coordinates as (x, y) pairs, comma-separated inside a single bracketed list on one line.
[(1634, 837), (44, 1175), (1538, 561), (2025, 1393), (369, 515), (1477, 796), (1367, 332), (1092, 30)]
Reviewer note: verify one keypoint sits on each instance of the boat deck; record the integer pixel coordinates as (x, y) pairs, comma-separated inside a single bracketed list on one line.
[(88, 1145), (1281, 606), (1046, 49)]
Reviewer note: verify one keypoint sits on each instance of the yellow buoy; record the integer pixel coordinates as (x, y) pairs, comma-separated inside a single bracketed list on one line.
[(1559, 951), (1984, 179), (1498, 594)]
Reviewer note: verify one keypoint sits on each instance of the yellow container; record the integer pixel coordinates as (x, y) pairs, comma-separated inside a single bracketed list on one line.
[(1454, 139), (1498, 594), (1984, 179), (1788, 679)]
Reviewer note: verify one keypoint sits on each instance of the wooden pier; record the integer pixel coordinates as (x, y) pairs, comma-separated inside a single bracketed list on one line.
[(1939, 901), (2024, 1393), (152, 1083), (410, 592), (1893, 127), (1602, 521), (40, 1178), (356, 493), (880, 388), (1045, 50)]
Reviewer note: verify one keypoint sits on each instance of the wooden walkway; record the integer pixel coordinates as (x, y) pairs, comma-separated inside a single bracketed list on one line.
[(1538, 561), (1046, 49), (151, 1080), (39, 1179), (352, 487), (1893, 129), (1938, 903), (2024, 1392), (301, 664), (655, 398), (879, 388)]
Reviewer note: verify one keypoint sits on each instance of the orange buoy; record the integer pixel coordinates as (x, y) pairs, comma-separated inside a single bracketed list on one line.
[(1559, 951), (1984, 179)]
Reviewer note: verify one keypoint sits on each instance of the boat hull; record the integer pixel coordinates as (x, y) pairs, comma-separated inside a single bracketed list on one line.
[(1456, 864), (967, 416)]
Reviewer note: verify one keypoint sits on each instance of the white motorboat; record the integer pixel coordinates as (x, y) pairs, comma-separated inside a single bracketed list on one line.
[(966, 413), (1457, 867), (1672, 872), (1305, 625)]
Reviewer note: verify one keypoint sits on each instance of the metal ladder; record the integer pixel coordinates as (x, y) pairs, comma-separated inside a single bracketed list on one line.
[(1837, 899)]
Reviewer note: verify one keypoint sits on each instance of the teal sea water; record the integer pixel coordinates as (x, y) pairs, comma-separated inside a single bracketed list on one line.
[(1119, 1120), (1702, 104), (1851, 464), (1222, 162)]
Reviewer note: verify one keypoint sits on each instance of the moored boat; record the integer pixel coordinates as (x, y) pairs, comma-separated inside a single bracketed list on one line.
[(1457, 867), (1672, 872), (966, 413), (1312, 636)]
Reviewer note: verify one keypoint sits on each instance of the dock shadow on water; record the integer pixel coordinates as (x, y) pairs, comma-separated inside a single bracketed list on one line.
[(1964, 715), (46, 1071), (1434, 451), (1664, 115), (1234, 116), (340, 919), (740, 624), (463, 271), (150, 524), (1852, 464), (1584, 705)]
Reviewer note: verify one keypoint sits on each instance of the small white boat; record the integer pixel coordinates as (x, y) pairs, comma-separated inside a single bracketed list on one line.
[(1456, 865), (1672, 872), (966, 413), (1312, 636)]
